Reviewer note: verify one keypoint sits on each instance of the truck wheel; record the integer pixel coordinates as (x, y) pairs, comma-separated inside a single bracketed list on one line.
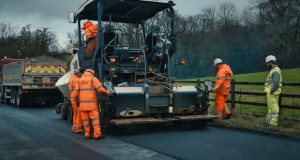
[(69, 113), (1, 98), (6, 100), (63, 112), (18, 101), (13, 99)]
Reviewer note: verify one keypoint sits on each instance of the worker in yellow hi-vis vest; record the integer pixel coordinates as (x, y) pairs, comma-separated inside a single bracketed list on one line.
[(273, 87)]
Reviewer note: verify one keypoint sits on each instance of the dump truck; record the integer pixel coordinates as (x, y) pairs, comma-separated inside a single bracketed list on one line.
[(31, 81), (137, 74)]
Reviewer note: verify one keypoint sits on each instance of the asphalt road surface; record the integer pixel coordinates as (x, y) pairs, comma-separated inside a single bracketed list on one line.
[(39, 133)]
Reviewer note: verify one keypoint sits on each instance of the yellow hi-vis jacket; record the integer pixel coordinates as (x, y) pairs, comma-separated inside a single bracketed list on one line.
[(269, 81)]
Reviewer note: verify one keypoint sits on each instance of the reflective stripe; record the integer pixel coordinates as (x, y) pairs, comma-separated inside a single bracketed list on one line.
[(75, 90), (95, 125), (71, 90), (99, 87), (219, 112), (92, 83), (86, 89), (220, 77), (219, 84), (85, 120), (88, 102), (72, 83), (88, 125), (94, 119), (75, 99), (227, 79), (272, 84), (224, 88)]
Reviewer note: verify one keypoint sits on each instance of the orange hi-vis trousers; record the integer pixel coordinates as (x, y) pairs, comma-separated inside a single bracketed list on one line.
[(77, 124), (221, 105), (93, 116)]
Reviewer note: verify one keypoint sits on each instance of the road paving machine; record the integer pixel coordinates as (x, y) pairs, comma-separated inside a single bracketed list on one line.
[(135, 69)]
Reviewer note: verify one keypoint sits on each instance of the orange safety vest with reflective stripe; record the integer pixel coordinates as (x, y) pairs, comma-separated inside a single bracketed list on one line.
[(91, 31), (223, 79), (86, 91), (72, 83)]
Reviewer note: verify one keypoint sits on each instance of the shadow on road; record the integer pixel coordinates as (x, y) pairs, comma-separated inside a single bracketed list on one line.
[(155, 128)]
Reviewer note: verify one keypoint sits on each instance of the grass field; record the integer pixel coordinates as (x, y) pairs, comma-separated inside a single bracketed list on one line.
[(243, 113)]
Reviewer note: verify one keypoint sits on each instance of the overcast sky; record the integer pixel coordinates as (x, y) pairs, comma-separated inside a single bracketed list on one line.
[(53, 13)]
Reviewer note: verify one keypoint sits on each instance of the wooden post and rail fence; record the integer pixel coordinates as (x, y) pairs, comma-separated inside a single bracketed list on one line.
[(234, 92)]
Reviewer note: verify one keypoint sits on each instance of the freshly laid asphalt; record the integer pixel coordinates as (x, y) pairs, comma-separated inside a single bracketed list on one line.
[(39, 133)]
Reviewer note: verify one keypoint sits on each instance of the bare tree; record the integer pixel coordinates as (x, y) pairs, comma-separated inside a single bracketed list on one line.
[(73, 37), (228, 15)]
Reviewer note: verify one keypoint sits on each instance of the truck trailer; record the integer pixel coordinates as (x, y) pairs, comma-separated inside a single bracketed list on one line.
[(31, 81), (137, 71)]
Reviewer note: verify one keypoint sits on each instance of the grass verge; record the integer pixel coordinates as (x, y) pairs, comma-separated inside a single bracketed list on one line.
[(243, 117)]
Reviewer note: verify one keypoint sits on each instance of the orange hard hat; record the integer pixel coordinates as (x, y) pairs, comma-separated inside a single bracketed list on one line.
[(90, 70), (87, 24)]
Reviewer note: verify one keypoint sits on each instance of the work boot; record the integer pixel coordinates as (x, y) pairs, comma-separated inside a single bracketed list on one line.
[(227, 116), (79, 132), (87, 135), (101, 137)]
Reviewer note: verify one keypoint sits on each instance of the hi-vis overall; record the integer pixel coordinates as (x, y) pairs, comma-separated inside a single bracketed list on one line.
[(88, 104), (272, 99), (77, 124), (222, 90)]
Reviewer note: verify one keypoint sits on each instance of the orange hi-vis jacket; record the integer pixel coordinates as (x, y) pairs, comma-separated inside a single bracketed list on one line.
[(73, 82), (223, 79), (90, 30), (86, 91)]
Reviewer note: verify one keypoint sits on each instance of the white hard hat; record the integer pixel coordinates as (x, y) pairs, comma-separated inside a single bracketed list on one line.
[(270, 58), (217, 61)]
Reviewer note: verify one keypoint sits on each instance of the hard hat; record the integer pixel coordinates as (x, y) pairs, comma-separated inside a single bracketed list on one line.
[(90, 70), (77, 70), (87, 24), (217, 61), (270, 58)]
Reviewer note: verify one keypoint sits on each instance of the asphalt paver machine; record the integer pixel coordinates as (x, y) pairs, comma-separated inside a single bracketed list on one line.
[(138, 76)]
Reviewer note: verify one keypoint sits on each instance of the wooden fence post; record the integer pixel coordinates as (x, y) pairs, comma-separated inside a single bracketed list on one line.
[(232, 94), (279, 104), (173, 80), (199, 82)]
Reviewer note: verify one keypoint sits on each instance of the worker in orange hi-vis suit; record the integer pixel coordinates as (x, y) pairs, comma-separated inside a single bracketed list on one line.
[(88, 104), (90, 31), (73, 81), (224, 74)]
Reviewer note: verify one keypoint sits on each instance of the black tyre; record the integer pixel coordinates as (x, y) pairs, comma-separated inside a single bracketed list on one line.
[(13, 99), (63, 112), (19, 101), (69, 113), (6, 100), (1, 98)]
